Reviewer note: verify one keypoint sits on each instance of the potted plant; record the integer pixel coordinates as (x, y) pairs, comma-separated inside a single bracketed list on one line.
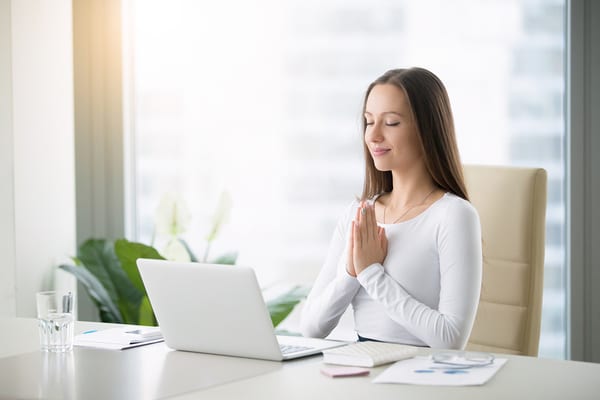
[(107, 269)]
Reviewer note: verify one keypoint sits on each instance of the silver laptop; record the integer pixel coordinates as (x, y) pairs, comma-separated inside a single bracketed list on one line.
[(218, 309)]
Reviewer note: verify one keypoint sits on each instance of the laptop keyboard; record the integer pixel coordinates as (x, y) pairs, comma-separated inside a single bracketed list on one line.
[(289, 349)]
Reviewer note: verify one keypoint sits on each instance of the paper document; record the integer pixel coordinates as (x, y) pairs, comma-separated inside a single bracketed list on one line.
[(119, 338), (423, 371)]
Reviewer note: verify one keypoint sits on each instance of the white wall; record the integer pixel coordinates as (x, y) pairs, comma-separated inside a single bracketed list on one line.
[(37, 148), (7, 220)]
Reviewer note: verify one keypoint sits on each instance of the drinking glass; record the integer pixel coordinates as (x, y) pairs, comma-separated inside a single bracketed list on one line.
[(55, 320)]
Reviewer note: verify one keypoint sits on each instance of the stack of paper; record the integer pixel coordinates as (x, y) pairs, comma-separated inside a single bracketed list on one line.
[(119, 338), (423, 371)]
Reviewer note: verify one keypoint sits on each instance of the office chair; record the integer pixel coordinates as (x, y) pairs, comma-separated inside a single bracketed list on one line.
[(511, 203)]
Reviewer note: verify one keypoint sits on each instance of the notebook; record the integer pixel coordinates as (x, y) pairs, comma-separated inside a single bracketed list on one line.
[(369, 354), (218, 309), (120, 338)]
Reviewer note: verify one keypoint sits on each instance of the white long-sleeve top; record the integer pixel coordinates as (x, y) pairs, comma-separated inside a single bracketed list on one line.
[(426, 291)]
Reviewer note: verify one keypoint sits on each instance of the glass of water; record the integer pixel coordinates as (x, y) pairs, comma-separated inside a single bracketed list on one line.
[(55, 320)]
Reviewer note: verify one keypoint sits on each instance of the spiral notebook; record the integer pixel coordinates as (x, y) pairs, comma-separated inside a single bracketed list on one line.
[(369, 354)]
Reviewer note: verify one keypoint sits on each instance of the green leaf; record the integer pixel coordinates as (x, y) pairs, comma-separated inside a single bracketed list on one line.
[(128, 252), (281, 306), (106, 307), (146, 313), (98, 256), (193, 257), (221, 215), (226, 259)]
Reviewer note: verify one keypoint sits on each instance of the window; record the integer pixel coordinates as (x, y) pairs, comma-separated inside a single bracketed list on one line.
[(262, 100)]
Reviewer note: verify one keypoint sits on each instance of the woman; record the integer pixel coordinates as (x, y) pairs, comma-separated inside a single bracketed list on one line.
[(408, 255)]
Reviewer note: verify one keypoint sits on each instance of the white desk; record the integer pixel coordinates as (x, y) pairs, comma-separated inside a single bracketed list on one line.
[(155, 371)]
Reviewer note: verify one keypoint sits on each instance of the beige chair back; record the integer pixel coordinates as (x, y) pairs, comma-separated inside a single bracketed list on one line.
[(511, 203)]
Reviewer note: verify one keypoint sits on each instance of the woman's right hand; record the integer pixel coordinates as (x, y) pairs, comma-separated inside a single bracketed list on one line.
[(370, 242)]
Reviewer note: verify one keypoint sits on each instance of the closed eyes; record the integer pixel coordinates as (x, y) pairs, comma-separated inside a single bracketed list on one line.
[(369, 123)]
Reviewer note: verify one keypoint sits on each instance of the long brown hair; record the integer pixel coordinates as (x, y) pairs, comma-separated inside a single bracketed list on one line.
[(430, 108)]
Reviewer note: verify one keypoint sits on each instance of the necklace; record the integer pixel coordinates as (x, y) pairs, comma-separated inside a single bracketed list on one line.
[(410, 208)]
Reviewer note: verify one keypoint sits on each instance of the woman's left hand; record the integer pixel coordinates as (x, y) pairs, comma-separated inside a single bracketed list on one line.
[(370, 242)]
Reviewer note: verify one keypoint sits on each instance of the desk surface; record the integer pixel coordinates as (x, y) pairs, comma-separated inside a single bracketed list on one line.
[(155, 371)]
